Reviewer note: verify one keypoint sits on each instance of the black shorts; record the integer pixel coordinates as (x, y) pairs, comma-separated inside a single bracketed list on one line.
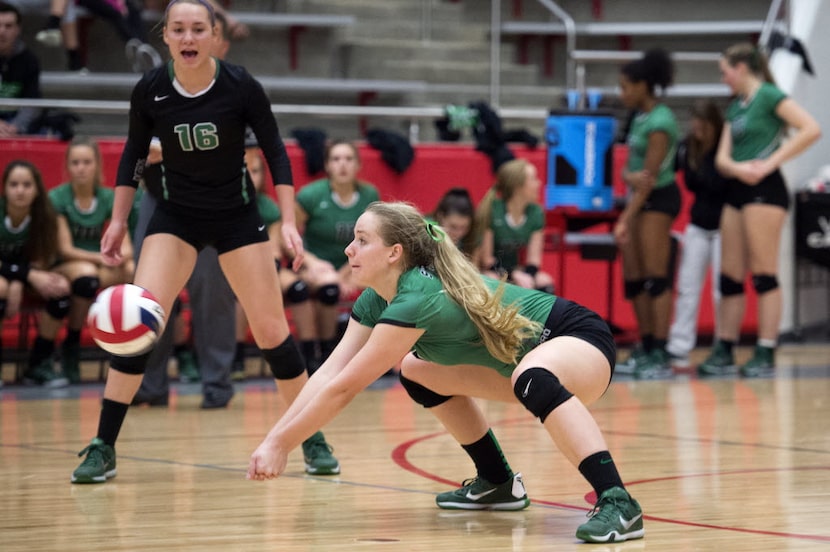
[(569, 318), (664, 200), (772, 190), (224, 230)]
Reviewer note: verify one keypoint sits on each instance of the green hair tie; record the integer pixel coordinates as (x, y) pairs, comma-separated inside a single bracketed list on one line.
[(435, 232)]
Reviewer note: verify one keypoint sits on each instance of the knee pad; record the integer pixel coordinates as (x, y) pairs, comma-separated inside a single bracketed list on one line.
[(3, 304), (546, 289), (58, 308), (728, 286), (329, 294), (285, 360), (656, 286), (633, 288), (421, 395), (86, 286), (764, 283), (540, 392), (133, 365), (297, 293)]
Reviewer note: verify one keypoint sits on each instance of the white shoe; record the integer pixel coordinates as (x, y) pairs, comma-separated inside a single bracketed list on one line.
[(50, 37)]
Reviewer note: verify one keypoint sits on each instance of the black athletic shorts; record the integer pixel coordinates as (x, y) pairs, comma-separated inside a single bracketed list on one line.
[(664, 200), (224, 230), (571, 319), (772, 190)]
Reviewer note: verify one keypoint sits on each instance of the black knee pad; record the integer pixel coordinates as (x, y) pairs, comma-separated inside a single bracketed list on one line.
[(633, 288), (86, 286), (297, 293), (3, 304), (656, 286), (285, 360), (728, 286), (329, 294), (540, 392), (421, 395), (58, 308), (133, 365), (764, 283), (546, 289)]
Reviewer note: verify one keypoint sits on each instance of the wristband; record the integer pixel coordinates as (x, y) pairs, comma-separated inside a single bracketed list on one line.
[(531, 269), (14, 271)]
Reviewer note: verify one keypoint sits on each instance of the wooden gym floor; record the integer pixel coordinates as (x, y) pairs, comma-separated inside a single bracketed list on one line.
[(720, 464)]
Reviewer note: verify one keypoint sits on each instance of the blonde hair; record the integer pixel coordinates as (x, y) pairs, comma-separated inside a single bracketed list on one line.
[(510, 177), (754, 59), (501, 327)]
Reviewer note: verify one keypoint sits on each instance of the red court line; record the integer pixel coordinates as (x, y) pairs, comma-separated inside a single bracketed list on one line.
[(399, 457)]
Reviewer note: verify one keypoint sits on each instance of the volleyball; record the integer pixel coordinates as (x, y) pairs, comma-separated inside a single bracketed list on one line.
[(125, 320)]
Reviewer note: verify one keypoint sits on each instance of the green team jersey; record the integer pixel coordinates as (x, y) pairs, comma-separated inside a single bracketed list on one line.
[(330, 226), (450, 337), (659, 119), (86, 227), (268, 209), (510, 241), (756, 129), (12, 240)]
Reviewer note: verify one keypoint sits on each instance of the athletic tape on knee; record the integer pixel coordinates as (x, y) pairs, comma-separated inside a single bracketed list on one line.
[(329, 294), (133, 365), (86, 286), (285, 360), (421, 395), (728, 286), (297, 293), (540, 392), (633, 288), (58, 308), (656, 286), (764, 283)]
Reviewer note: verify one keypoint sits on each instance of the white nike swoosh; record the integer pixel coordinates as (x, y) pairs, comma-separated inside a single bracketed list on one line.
[(159, 98), (261, 228), (627, 524), (527, 388), (472, 496)]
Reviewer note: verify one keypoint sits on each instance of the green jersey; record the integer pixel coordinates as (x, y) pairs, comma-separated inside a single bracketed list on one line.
[(510, 240), (449, 337), (330, 226), (268, 210), (659, 119), (86, 227), (756, 129), (13, 240)]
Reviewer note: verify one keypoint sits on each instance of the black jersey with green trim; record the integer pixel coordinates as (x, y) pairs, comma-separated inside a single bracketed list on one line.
[(203, 138)]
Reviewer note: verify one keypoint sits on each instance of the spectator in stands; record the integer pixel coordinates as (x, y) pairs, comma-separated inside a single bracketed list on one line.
[(19, 74), (751, 151), (513, 223), (701, 239), (28, 249), (84, 207), (326, 212), (211, 301), (65, 33), (455, 213), (199, 107), (642, 230), (462, 336), (123, 15), (294, 290)]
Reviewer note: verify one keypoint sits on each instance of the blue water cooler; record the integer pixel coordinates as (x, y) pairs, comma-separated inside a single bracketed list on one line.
[(580, 150)]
